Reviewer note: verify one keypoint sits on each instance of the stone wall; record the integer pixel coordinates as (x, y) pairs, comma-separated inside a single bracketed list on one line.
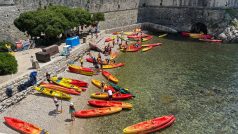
[(192, 3), (125, 10), (182, 18)]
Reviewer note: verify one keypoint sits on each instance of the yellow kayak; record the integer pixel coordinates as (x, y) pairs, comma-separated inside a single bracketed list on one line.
[(114, 65), (97, 83), (53, 93), (65, 84), (163, 35), (147, 48)]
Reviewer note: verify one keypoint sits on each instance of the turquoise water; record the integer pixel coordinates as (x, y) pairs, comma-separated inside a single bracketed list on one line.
[(195, 81)]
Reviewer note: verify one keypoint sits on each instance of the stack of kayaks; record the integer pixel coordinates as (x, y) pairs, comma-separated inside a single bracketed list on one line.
[(59, 88), (23, 127), (81, 70), (97, 112), (115, 96), (103, 103), (97, 83), (109, 76), (112, 65), (53, 93), (61, 82), (150, 125)]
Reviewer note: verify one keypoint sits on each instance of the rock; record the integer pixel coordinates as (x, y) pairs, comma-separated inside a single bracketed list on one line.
[(222, 36)]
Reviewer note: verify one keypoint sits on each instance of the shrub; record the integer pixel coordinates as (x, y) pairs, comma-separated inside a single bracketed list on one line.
[(3, 47), (8, 64)]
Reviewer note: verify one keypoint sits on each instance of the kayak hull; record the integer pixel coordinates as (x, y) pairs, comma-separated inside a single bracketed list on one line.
[(60, 88), (147, 48), (62, 83), (81, 70), (109, 76), (97, 83), (52, 93), (211, 40), (102, 103), (116, 96), (22, 126), (75, 82), (150, 125), (115, 65), (97, 112)]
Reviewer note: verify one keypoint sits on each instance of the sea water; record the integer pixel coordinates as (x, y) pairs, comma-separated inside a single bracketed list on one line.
[(195, 81)]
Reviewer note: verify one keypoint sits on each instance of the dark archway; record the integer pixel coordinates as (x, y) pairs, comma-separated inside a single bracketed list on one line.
[(199, 28)]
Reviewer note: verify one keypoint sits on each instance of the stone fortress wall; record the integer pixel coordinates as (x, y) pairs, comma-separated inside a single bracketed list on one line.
[(182, 14), (126, 12), (178, 14)]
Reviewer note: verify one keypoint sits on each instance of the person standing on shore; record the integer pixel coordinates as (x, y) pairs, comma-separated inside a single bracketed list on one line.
[(56, 104), (109, 94), (103, 86), (47, 75), (71, 111), (81, 61)]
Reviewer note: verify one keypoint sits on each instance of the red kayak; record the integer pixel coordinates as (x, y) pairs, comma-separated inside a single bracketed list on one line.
[(133, 48), (115, 96), (211, 40), (150, 125), (59, 88), (79, 83), (91, 61), (185, 34), (81, 70), (103, 103), (108, 39), (23, 127), (161, 127), (97, 112)]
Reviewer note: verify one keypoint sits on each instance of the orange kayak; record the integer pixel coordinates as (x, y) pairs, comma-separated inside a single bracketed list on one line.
[(102, 103), (59, 88), (109, 76), (161, 127), (115, 65), (81, 70), (23, 127), (150, 125), (97, 112)]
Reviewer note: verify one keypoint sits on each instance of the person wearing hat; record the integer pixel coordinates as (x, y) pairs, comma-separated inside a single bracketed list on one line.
[(103, 86), (56, 104), (72, 110)]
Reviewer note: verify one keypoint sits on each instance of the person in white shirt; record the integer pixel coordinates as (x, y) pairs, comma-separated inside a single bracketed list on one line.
[(109, 94)]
